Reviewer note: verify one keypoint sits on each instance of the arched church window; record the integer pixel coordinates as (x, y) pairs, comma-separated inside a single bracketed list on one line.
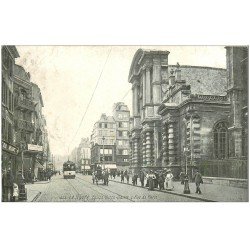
[(221, 141), (245, 133)]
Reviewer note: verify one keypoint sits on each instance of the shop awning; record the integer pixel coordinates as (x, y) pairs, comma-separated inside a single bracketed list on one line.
[(86, 167), (110, 166), (38, 165)]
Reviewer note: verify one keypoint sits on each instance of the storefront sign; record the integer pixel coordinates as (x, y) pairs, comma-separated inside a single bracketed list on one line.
[(33, 147), (10, 148)]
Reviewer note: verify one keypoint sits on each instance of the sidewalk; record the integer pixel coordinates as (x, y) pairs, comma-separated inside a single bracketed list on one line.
[(35, 190), (210, 192)]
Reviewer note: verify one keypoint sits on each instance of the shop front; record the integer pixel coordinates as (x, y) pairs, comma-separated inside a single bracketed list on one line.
[(9, 155)]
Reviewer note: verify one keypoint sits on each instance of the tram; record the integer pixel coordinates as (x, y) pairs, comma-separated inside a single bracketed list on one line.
[(69, 170)]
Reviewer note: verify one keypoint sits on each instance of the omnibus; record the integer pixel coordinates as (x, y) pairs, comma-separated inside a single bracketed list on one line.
[(69, 170)]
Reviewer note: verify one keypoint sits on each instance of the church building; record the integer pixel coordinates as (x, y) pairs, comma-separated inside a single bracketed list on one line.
[(190, 116)]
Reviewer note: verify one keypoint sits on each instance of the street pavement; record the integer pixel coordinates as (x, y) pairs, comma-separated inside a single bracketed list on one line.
[(81, 189), (210, 192)]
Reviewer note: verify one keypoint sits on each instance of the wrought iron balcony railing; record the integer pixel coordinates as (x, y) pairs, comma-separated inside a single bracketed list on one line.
[(26, 125), (25, 103)]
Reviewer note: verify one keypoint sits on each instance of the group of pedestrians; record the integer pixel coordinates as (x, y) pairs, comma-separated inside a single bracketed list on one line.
[(161, 179), (13, 185), (13, 188), (149, 179)]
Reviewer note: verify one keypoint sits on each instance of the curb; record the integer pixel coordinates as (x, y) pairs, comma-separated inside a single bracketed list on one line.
[(170, 192)]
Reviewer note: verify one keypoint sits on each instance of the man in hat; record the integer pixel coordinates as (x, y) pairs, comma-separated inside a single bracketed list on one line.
[(161, 180), (198, 180), (8, 181), (151, 178), (142, 177), (182, 177)]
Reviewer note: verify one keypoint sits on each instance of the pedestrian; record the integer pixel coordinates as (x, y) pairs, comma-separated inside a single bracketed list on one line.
[(48, 175), (151, 178), (134, 179), (161, 181), (156, 180), (15, 192), (182, 177), (21, 186), (8, 182), (142, 178), (169, 180), (114, 174), (93, 177), (122, 177), (127, 177), (198, 180)]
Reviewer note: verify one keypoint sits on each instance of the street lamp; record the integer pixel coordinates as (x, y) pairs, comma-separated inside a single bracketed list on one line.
[(103, 139), (186, 184)]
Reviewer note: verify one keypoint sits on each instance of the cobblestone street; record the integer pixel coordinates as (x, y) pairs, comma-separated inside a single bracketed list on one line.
[(82, 189)]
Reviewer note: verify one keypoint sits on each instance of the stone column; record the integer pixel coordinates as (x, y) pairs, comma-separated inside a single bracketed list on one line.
[(148, 149), (148, 85), (171, 152), (135, 97), (164, 144), (131, 153), (143, 150), (135, 153), (144, 87)]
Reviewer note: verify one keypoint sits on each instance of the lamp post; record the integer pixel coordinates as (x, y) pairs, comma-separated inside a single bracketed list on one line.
[(189, 118), (103, 138), (186, 183), (84, 161)]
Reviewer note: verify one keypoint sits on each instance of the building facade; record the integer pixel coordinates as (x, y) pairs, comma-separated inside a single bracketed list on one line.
[(83, 156), (24, 134), (24, 109), (187, 115), (9, 148), (103, 146), (121, 115)]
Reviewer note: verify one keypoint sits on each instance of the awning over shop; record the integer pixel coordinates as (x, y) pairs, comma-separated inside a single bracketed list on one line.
[(86, 167), (110, 166), (38, 165)]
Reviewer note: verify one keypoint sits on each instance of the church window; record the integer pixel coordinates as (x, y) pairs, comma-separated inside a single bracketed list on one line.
[(221, 141)]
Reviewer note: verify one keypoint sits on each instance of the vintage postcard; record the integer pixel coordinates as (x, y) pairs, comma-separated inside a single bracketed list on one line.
[(124, 123)]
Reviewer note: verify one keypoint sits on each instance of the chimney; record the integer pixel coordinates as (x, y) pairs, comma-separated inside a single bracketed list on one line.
[(171, 78)]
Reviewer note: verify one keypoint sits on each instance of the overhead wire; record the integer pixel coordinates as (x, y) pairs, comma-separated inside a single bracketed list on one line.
[(97, 83)]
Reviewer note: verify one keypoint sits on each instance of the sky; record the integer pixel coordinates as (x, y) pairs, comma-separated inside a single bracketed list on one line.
[(67, 77)]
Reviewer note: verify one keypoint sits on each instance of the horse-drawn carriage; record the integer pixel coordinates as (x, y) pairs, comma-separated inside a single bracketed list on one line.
[(100, 174)]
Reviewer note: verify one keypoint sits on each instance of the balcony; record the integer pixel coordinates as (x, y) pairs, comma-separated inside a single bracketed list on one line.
[(25, 125), (24, 103)]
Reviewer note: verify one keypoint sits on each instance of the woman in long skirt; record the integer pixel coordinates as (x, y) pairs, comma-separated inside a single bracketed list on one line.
[(169, 180)]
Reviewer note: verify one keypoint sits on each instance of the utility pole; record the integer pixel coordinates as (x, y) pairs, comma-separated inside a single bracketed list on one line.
[(84, 160), (103, 138)]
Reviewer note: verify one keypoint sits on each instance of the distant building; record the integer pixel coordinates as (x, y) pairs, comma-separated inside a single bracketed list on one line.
[(83, 156), (190, 114), (121, 115), (103, 142), (112, 133)]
